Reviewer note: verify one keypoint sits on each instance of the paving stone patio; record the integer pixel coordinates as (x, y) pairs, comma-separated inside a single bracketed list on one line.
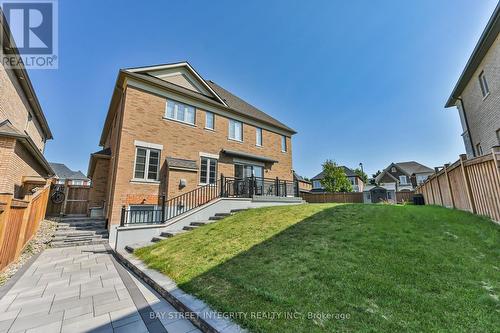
[(83, 289)]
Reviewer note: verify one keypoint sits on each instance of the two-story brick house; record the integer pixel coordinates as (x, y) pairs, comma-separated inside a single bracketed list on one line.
[(477, 92), (169, 131), (24, 130)]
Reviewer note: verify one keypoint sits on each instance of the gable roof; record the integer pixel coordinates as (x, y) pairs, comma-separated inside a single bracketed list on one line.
[(63, 172), (8, 46), (409, 168), (348, 173), (412, 167), (487, 38), (220, 98)]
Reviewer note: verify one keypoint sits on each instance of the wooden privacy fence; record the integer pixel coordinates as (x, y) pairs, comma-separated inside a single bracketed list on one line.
[(19, 222), (472, 185), (348, 197), (404, 196), (76, 201)]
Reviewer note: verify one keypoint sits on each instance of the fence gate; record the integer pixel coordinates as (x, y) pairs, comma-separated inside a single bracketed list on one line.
[(74, 201)]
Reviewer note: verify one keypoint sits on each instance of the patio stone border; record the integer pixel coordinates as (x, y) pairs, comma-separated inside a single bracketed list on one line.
[(197, 311)]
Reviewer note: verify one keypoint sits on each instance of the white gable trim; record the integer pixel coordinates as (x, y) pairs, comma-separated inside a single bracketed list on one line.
[(180, 64)]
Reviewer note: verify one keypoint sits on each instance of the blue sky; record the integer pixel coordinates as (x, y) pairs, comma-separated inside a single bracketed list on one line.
[(360, 81)]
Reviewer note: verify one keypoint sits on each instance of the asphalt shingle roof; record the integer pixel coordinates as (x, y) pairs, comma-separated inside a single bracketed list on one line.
[(348, 173), (63, 172), (412, 167)]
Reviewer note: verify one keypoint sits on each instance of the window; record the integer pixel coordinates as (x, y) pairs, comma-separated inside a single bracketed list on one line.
[(147, 163), (403, 180), (208, 170), (393, 169), (479, 149), (498, 136), (389, 195), (485, 90), (235, 130), (258, 136), (209, 120), (421, 179), (283, 143), (317, 184), (180, 112), (77, 182)]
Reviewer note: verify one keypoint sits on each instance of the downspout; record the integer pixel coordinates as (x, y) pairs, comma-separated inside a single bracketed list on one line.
[(467, 125)]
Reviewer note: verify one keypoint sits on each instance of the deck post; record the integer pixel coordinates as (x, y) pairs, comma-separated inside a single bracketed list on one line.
[(277, 187), (251, 189), (163, 207), (122, 217), (221, 185)]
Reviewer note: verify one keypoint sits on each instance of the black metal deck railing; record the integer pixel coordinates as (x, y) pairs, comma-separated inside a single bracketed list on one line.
[(226, 187)]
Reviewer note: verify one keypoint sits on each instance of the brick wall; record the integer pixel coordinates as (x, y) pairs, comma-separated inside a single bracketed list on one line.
[(483, 113), (143, 120), (16, 162), (97, 195), (14, 107)]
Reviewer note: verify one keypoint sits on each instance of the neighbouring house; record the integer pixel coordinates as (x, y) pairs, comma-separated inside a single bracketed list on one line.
[(24, 130), (356, 182), (304, 185), (477, 92), (64, 175), (397, 177), (168, 132)]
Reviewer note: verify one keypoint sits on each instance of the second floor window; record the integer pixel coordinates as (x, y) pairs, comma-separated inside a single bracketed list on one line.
[(179, 111), (479, 149), (317, 184), (485, 90), (208, 170), (147, 163), (235, 130), (403, 180), (258, 136), (283, 143), (209, 120)]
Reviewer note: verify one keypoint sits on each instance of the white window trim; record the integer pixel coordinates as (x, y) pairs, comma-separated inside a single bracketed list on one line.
[(406, 179), (144, 144), (146, 166), (286, 144), (483, 85), (209, 155), (257, 131), (165, 115), (208, 170), (206, 127), (229, 130)]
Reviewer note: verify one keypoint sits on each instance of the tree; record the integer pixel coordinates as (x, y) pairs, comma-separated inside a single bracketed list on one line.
[(372, 180), (334, 178), (361, 174)]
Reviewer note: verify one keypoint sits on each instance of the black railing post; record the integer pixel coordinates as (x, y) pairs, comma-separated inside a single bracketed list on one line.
[(222, 185), (122, 217), (250, 187), (277, 187), (297, 191), (163, 208), (284, 185)]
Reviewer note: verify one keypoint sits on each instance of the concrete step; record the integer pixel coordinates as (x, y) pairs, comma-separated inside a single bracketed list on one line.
[(80, 233), (215, 218), (238, 210), (132, 247), (167, 234), (222, 214), (158, 239), (190, 227), (201, 223), (79, 243), (76, 239)]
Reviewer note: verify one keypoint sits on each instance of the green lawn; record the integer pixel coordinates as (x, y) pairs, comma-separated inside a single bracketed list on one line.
[(388, 268)]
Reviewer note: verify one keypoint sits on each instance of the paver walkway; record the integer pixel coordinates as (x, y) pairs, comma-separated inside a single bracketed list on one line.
[(83, 289)]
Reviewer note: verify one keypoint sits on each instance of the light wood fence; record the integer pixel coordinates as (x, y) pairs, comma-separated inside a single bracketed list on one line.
[(350, 197), (471, 185), (19, 222), (76, 201)]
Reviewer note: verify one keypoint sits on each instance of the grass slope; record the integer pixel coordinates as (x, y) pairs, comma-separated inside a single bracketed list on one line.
[(389, 268)]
